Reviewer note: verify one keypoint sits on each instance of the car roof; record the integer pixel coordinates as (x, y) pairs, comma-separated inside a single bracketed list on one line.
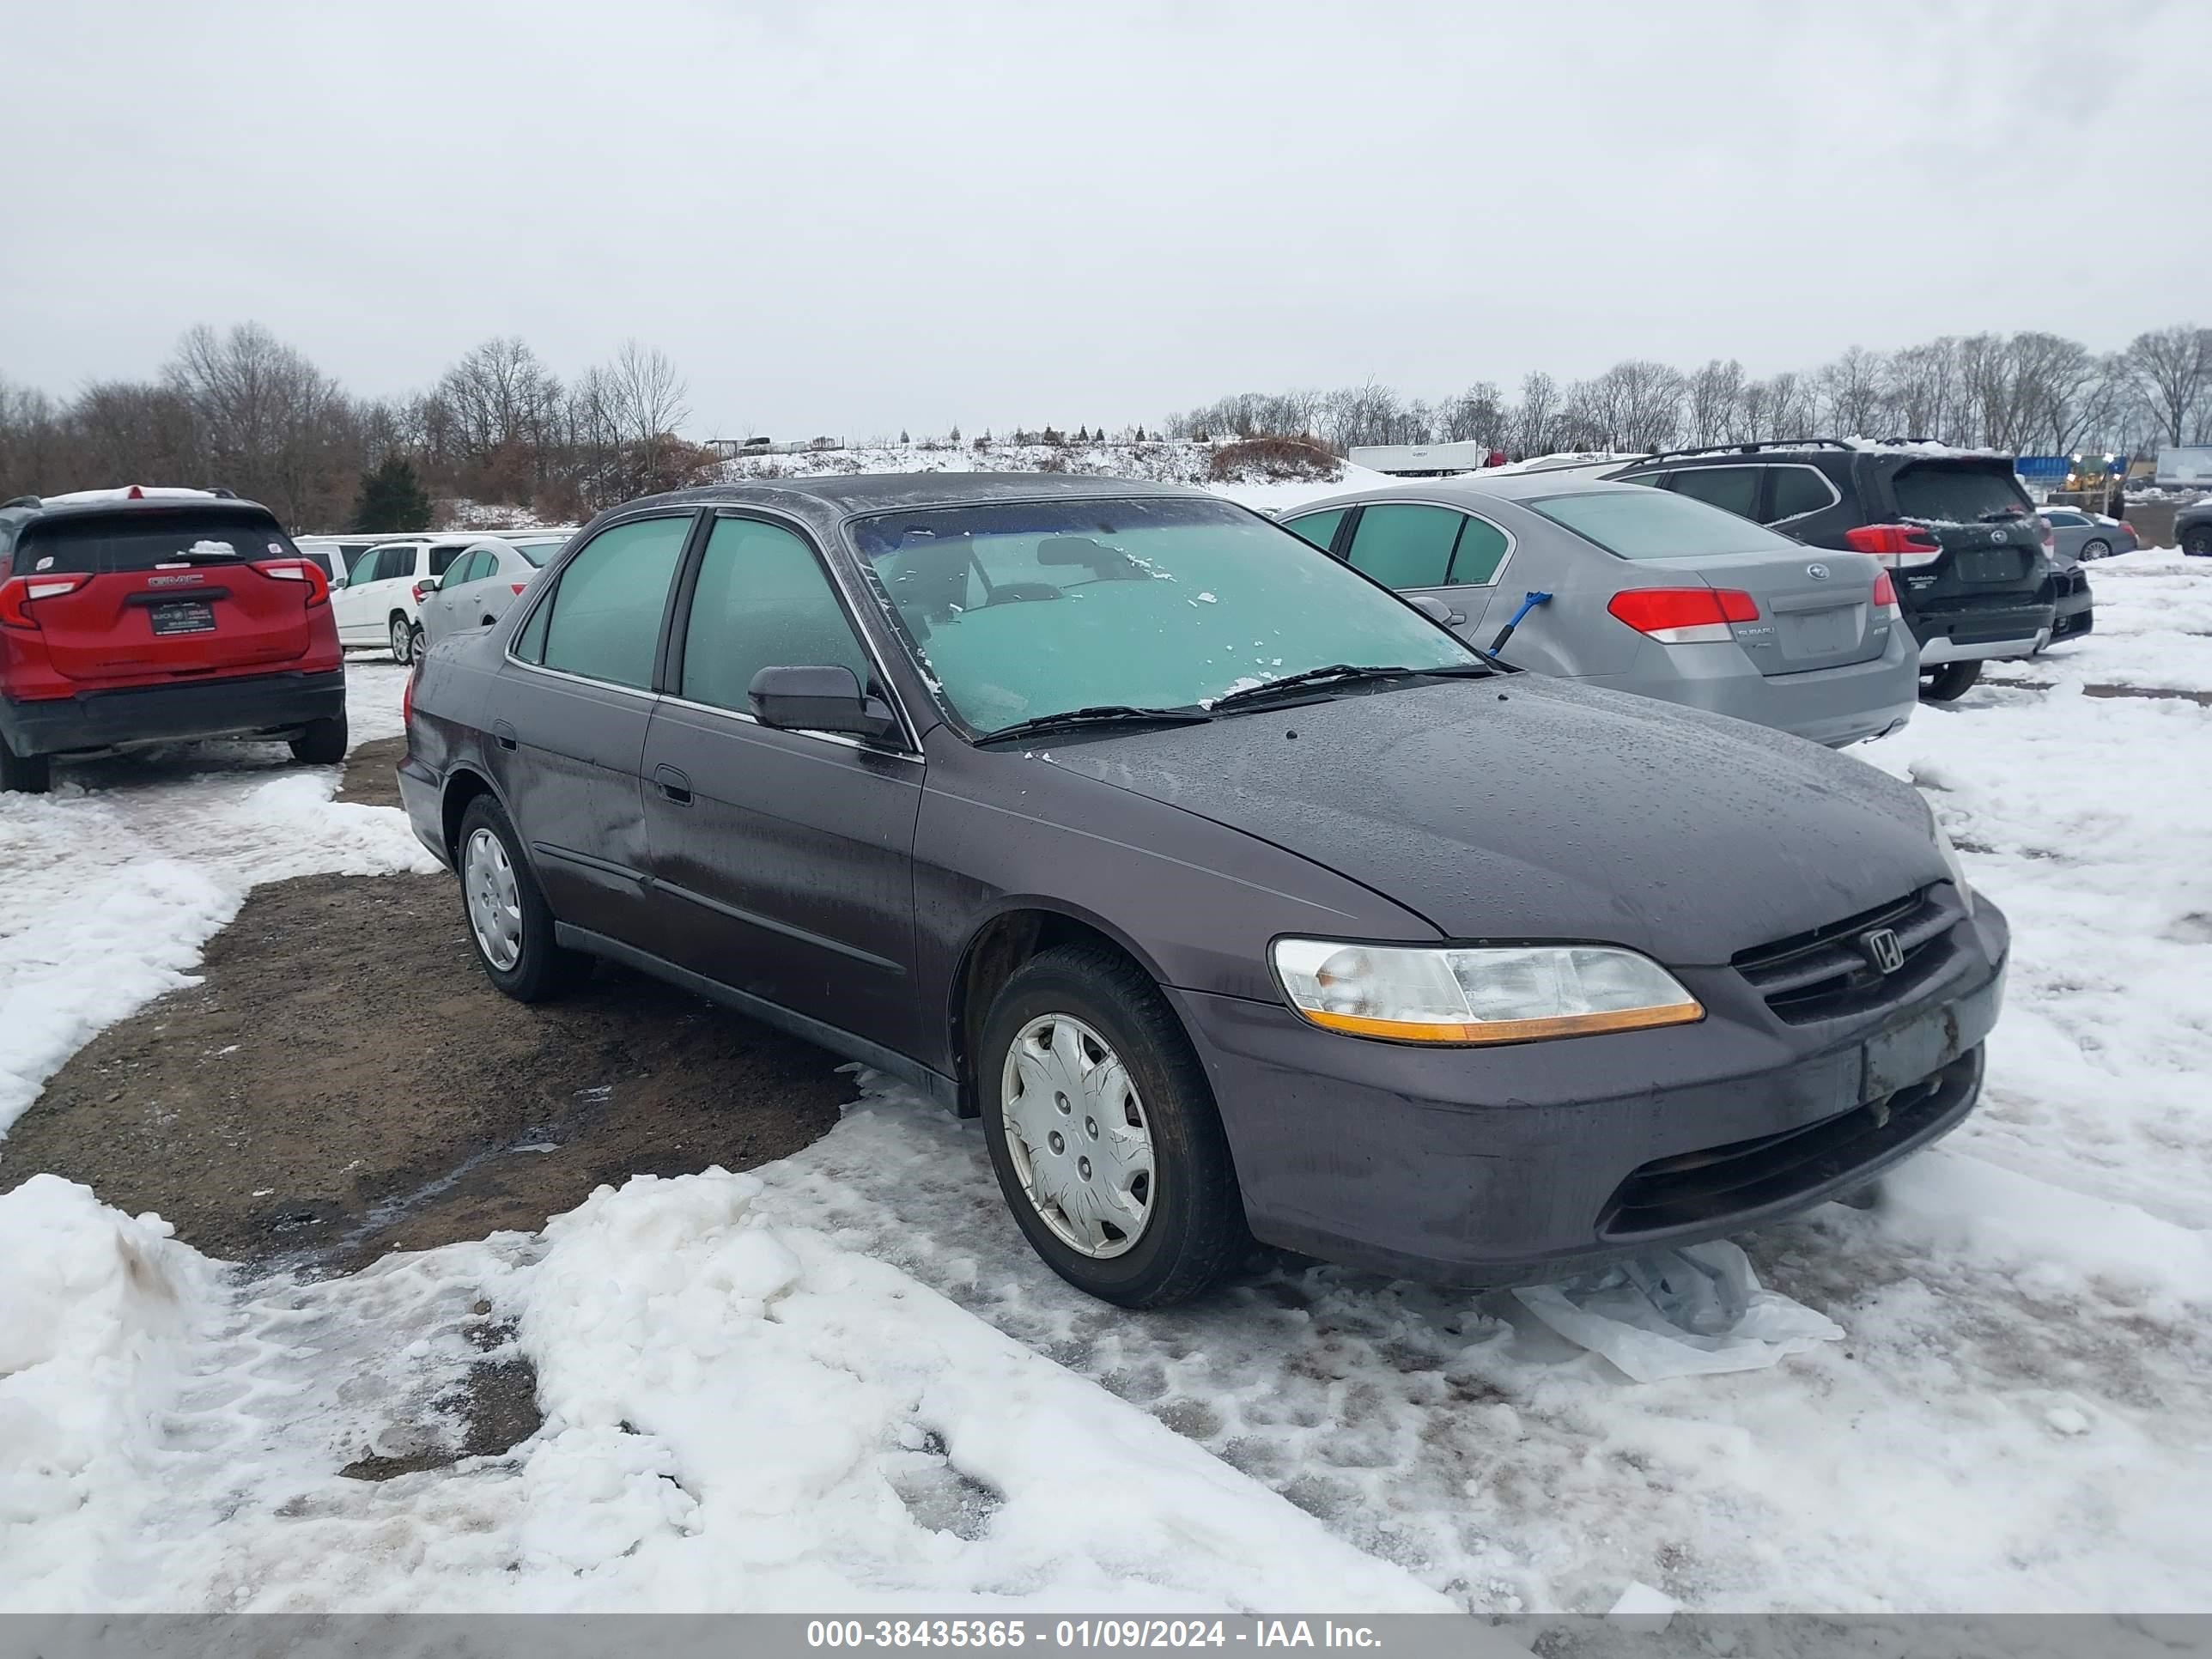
[(1474, 491), (107, 503), (852, 493)]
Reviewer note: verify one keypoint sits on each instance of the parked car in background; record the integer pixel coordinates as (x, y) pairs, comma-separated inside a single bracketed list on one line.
[(139, 616), (478, 587), (1656, 594), (381, 602), (1235, 895), (337, 555), (2073, 607), (1956, 530), (2078, 533), (2192, 528)]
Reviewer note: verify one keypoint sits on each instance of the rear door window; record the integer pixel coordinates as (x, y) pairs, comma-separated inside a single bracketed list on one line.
[(441, 557), (1481, 549), (603, 619), (145, 541), (1405, 544), (1732, 488), (1795, 491), (1937, 492), (1318, 528)]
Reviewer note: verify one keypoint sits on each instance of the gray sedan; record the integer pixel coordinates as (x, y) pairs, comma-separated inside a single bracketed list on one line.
[(2076, 534), (482, 581), (1635, 590)]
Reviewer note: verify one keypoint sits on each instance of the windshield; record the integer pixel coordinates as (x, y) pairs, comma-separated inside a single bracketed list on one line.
[(1022, 610), (1641, 522), (537, 552)]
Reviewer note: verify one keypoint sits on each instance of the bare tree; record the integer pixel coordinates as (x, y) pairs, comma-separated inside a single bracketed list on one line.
[(1535, 421), (2171, 368), (647, 394), (1849, 392), (1476, 416), (266, 420), (1715, 402), (1923, 393)]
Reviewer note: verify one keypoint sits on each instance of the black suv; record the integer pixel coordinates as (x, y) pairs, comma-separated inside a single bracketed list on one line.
[(1962, 540)]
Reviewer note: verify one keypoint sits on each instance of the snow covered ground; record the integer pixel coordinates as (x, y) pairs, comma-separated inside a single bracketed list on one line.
[(844, 1380)]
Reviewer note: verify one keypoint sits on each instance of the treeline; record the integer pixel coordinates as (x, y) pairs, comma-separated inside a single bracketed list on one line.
[(2030, 393), (242, 408)]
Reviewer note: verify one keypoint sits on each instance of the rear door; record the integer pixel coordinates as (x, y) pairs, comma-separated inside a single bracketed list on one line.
[(1422, 548), (1975, 508), (166, 595)]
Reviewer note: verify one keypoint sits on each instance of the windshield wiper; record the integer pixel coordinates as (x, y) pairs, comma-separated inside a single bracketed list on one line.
[(1338, 672), (1104, 714)]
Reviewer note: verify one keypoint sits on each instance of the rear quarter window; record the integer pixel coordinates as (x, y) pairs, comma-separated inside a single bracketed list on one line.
[(143, 541), (1939, 493)]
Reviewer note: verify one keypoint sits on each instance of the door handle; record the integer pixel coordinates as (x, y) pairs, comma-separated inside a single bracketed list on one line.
[(504, 733), (672, 784)]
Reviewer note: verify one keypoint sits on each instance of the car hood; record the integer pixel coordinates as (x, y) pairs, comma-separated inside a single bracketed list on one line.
[(1524, 808)]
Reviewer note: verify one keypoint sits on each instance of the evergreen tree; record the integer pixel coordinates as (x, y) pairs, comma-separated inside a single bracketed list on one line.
[(391, 499), (903, 438), (956, 433), (1083, 434)]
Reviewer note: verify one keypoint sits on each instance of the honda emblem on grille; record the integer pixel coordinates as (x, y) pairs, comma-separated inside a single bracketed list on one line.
[(1882, 949), (1818, 573)]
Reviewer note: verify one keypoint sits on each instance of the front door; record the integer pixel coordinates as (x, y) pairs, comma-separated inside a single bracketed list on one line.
[(568, 719), (781, 861), (361, 607)]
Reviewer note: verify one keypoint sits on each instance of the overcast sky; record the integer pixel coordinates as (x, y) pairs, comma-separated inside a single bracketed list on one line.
[(850, 219)]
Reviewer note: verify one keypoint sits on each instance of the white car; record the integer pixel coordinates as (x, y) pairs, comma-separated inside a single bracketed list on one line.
[(489, 576), (381, 603)]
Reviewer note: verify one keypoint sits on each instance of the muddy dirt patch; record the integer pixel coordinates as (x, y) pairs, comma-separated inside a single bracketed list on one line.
[(344, 1083)]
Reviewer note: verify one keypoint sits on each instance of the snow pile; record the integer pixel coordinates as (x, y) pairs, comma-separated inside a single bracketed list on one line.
[(1164, 460), (738, 1418), (118, 877), (102, 1312)]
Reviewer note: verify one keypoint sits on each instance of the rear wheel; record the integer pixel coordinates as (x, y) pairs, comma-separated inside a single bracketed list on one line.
[(24, 775), (508, 922), (1950, 682), (2096, 547), (403, 641), (323, 743), (1103, 1133), (2198, 541)]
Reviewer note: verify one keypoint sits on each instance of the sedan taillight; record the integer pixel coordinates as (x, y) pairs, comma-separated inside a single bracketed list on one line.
[(518, 586), (1683, 616), (23, 591), (1885, 594), (1899, 546)]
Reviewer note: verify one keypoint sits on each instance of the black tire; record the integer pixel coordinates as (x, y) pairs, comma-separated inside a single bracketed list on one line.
[(323, 743), (542, 970), (1950, 682), (1195, 1230), (2096, 547), (2198, 542), (24, 775), (403, 636)]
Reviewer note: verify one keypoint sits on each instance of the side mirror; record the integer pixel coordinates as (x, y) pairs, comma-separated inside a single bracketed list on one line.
[(1437, 611), (824, 698)]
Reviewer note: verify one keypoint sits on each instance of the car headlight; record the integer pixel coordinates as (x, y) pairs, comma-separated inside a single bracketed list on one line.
[(1449, 994), (1952, 862)]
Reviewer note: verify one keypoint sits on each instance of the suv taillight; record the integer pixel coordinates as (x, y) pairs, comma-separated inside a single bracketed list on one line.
[(1885, 592), (1683, 616), (1899, 546), (21, 590), (423, 589), (300, 570)]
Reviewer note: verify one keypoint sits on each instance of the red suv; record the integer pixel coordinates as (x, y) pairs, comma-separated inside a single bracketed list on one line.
[(153, 615)]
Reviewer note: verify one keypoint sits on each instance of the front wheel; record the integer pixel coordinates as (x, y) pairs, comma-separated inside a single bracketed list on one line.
[(1103, 1133), (322, 743), (403, 641), (509, 923), (1950, 682), (24, 775), (2198, 542)]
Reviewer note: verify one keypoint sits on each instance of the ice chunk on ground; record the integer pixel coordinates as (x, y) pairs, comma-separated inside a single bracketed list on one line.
[(1694, 1312)]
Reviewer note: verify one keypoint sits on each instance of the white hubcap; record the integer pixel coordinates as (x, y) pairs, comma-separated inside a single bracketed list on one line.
[(495, 904), (1077, 1134)]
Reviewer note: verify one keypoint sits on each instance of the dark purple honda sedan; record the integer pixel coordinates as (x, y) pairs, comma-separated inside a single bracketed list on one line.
[(1234, 894)]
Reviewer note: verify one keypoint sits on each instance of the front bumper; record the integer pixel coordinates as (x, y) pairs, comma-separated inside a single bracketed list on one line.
[(1474, 1166), (259, 705)]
